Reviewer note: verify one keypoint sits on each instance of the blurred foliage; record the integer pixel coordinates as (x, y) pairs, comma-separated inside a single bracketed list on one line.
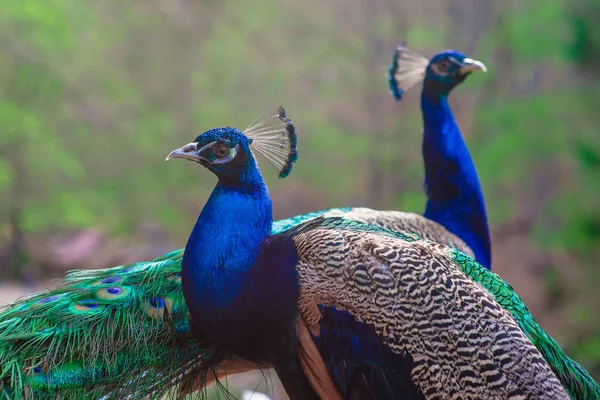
[(93, 95)]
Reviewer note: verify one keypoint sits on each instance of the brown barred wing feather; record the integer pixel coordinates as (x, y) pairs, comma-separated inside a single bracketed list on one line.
[(400, 221), (407, 298)]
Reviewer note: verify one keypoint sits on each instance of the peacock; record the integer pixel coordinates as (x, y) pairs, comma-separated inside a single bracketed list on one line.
[(38, 334), (342, 309), (147, 280), (454, 196)]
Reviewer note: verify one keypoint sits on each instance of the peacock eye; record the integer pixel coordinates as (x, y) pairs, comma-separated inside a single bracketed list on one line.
[(444, 64), (221, 150)]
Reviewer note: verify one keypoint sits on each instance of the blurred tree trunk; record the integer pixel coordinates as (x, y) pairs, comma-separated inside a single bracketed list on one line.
[(398, 180), (13, 258), (375, 184)]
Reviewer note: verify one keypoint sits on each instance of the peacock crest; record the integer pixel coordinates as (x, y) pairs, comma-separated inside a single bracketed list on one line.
[(275, 139), (408, 69)]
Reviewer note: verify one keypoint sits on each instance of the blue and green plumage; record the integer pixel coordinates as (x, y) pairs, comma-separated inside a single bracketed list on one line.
[(100, 325), (277, 227), (261, 347), (401, 311), (454, 195), (80, 339)]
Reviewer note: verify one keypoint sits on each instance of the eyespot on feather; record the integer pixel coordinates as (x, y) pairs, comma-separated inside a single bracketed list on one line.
[(125, 270), (87, 305), (114, 290), (42, 302), (156, 306), (112, 293), (157, 302), (111, 280)]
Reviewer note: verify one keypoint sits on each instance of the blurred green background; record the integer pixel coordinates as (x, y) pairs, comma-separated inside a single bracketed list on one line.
[(94, 94)]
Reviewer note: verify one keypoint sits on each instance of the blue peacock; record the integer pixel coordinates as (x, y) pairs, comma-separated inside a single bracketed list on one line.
[(388, 315), (454, 196), (141, 341)]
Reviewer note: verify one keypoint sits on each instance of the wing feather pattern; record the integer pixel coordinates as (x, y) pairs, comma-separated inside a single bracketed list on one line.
[(454, 337)]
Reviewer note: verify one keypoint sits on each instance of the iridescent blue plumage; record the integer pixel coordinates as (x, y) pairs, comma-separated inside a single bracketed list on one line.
[(239, 283), (455, 198), (241, 288), (339, 309)]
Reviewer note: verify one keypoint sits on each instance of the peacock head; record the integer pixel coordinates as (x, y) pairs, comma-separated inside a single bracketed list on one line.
[(441, 74), (227, 152), (448, 68)]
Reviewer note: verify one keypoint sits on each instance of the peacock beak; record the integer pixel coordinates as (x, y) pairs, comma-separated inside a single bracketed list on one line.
[(189, 152), (470, 65)]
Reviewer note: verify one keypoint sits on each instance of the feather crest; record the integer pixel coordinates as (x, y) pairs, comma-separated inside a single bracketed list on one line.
[(275, 138), (408, 68)]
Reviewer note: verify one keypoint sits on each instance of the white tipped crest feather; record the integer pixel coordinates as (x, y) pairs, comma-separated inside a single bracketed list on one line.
[(274, 138), (411, 68)]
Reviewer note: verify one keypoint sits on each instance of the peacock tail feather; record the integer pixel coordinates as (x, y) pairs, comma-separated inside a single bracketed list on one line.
[(97, 332), (83, 338), (125, 330)]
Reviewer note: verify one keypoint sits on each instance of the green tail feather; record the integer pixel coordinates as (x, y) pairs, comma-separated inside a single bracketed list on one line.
[(84, 340)]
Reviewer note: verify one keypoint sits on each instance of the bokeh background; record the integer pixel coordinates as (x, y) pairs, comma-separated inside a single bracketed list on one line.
[(94, 94)]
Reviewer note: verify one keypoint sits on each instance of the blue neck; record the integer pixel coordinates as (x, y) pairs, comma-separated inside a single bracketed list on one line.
[(455, 199), (225, 242)]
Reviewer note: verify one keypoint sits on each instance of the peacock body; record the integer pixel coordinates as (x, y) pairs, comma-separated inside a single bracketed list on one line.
[(387, 315)]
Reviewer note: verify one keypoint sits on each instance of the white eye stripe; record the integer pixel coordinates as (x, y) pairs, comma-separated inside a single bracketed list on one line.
[(206, 146), (455, 61)]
